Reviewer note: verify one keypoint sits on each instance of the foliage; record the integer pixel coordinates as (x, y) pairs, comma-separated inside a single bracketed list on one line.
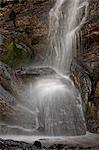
[(14, 56)]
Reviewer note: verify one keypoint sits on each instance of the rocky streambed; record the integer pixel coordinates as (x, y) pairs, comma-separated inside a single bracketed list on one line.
[(87, 142), (15, 145)]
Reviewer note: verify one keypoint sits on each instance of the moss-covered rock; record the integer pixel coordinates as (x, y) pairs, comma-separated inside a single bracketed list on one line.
[(31, 25), (14, 56)]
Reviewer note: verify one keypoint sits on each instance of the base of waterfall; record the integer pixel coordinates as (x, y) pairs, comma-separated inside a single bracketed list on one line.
[(50, 106), (57, 106), (86, 142)]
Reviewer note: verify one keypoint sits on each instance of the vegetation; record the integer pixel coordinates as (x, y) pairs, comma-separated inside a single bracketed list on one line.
[(14, 56)]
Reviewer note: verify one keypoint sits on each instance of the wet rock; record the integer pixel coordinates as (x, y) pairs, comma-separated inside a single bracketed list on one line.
[(5, 71), (14, 117), (15, 145), (34, 71), (10, 144), (57, 146), (69, 147), (85, 66), (31, 21), (38, 144)]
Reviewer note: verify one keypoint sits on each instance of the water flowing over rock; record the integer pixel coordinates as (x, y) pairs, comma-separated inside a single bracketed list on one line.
[(68, 22), (64, 22), (58, 106), (51, 93), (10, 144), (52, 100), (85, 66)]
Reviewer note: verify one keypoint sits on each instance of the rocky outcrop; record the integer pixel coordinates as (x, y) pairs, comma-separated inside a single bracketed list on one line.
[(85, 67), (26, 24), (15, 118), (23, 39)]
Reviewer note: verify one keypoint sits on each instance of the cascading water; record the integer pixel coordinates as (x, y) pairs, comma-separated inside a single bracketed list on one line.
[(64, 22), (58, 106), (57, 102), (52, 99)]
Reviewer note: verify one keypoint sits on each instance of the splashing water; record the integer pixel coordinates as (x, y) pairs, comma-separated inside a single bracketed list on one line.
[(52, 98), (59, 107), (57, 100), (64, 22)]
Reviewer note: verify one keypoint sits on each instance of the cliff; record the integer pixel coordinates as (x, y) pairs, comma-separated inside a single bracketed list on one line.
[(85, 66)]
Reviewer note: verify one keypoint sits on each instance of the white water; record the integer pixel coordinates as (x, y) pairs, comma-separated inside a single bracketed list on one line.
[(57, 101), (64, 23), (88, 139), (53, 99), (58, 105)]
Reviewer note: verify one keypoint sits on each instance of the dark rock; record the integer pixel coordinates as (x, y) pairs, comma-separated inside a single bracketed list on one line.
[(85, 67), (40, 129), (68, 147), (12, 17), (10, 144), (35, 40), (15, 145), (38, 144), (57, 146), (35, 71), (31, 20), (77, 147)]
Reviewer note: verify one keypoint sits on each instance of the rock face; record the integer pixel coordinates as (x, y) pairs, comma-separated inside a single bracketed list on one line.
[(26, 24), (9, 144), (23, 39), (14, 118), (85, 67)]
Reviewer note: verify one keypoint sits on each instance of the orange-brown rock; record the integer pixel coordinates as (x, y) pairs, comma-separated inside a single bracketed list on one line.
[(86, 66)]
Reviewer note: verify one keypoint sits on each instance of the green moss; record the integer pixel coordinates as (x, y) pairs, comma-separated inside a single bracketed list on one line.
[(14, 56)]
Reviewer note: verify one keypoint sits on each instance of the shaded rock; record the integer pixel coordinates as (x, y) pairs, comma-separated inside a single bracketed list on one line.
[(31, 21), (85, 66), (69, 147), (14, 117), (10, 144), (57, 146), (12, 17), (35, 71), (38, 144), (15, 145), (14, 56)]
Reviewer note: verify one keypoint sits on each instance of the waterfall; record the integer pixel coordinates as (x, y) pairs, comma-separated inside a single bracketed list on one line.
[(53, 96), (64, 23), (59, 107), (53, 102)]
